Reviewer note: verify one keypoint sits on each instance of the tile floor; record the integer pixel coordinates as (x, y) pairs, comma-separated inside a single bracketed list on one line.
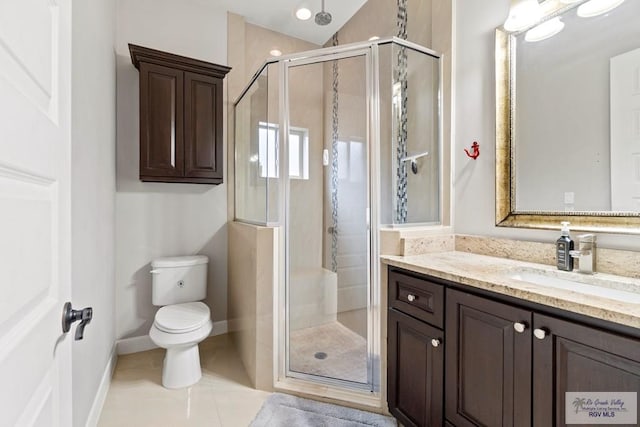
[(346, 352), (223, 397)]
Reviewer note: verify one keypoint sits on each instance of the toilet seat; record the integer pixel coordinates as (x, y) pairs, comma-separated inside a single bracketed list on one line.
[(182, 318)]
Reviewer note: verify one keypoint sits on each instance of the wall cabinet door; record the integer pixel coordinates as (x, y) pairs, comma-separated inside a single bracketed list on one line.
[(203, 126), (415, 371), (161, 121), (181, 118), (488, 377), (572, 357)]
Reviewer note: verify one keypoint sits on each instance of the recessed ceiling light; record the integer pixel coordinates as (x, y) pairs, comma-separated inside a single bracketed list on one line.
[(597, 7), (303, 13), (275, 52), (372, 38), (545, 30)]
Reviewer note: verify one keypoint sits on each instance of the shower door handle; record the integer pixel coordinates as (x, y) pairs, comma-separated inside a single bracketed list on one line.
[(368, 218)]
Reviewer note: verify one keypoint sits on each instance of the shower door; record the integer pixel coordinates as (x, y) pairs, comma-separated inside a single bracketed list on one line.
[(328, 308)]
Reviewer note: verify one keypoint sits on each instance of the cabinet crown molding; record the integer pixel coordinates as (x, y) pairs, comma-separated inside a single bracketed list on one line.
[(153, 56)]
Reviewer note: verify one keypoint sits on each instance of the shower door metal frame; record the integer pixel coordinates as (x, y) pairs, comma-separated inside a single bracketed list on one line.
[(369, 52), (341, 390)]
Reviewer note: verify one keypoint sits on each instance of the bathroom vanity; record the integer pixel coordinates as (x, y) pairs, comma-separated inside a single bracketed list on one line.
[(478, 340)]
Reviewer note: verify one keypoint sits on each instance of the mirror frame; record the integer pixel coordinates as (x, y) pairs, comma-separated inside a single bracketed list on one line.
[(506, 213)]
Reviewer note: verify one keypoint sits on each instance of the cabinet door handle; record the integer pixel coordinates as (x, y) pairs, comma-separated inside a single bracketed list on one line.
[(520, 327), (411, 298), (436, 342), (539, 333)]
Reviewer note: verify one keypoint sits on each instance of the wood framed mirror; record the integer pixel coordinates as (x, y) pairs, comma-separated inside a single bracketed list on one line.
[(568, 146)]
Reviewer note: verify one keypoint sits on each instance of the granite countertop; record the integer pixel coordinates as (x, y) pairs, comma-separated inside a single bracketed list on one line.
[(493, 274)]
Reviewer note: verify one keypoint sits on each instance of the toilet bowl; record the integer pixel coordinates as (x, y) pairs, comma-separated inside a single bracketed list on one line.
[(182, 322), (179, 328)]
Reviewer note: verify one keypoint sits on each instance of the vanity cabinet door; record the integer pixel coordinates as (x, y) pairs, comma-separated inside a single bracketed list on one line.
[(488, 376), (576, 358), (415, 371)]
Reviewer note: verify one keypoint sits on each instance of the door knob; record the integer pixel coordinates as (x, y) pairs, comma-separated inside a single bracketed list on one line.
[(69, 316)]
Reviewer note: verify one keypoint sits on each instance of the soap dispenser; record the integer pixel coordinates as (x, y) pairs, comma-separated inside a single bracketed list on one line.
[(563, 246)]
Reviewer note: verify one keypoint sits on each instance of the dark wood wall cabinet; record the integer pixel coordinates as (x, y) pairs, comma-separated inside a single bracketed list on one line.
[(492, 362), (181, 121)]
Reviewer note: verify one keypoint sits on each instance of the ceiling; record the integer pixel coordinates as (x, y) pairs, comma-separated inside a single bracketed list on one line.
[(278, 15)]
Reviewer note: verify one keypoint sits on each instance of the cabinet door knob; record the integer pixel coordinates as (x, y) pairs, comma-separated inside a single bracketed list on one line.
[(539, 333), (519, 327), (411, 298), (436, 342)]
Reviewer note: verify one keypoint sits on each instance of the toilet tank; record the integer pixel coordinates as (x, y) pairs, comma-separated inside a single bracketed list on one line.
[(175, 280)]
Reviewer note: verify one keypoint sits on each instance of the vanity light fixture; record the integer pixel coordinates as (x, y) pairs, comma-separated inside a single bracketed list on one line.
[(303, 13), (597, 7), (522, 14), (275, 52), (545, 30)]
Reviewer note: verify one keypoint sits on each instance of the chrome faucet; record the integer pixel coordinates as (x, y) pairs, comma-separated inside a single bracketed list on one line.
[(586, 253)]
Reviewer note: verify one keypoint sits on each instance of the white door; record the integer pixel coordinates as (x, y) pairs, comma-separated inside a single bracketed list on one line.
[(625, 131), (35, 357)]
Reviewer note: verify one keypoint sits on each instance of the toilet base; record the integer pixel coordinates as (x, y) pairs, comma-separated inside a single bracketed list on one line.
[(181, 366)]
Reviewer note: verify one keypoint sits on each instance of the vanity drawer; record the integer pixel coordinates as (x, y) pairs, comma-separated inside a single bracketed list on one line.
[(419, 298)]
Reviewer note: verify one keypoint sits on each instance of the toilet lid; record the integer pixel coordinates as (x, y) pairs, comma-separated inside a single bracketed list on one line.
[(181, 318)]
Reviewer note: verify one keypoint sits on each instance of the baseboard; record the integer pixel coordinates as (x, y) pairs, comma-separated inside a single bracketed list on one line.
[(219, 328), (103, 389), (135, 345), (144, 343)]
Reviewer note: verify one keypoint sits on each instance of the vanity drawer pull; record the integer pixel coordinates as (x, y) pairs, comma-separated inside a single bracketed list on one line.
[(411, 298), (435, 342), (539, 333), (520, 327)]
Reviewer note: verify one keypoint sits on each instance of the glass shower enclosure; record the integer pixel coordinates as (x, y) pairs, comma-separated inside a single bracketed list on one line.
[(330, 145)]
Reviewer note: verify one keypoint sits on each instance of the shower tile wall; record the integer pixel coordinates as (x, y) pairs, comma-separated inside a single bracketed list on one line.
[(345, 138), (381, 18), (401, 205)]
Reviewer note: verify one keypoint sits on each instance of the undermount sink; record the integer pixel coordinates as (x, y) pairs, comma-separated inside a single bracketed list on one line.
[(598, 286)]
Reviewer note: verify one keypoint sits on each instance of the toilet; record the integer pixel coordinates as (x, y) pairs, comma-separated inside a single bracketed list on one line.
[(183, 321)]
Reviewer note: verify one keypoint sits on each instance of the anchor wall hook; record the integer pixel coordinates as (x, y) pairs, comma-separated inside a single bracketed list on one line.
[(475, 150)]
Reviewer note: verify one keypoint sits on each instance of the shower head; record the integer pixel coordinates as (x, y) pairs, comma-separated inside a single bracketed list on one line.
[(322, 17)]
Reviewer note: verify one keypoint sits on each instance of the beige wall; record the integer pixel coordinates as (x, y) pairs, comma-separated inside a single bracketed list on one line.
[(252, 272)]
